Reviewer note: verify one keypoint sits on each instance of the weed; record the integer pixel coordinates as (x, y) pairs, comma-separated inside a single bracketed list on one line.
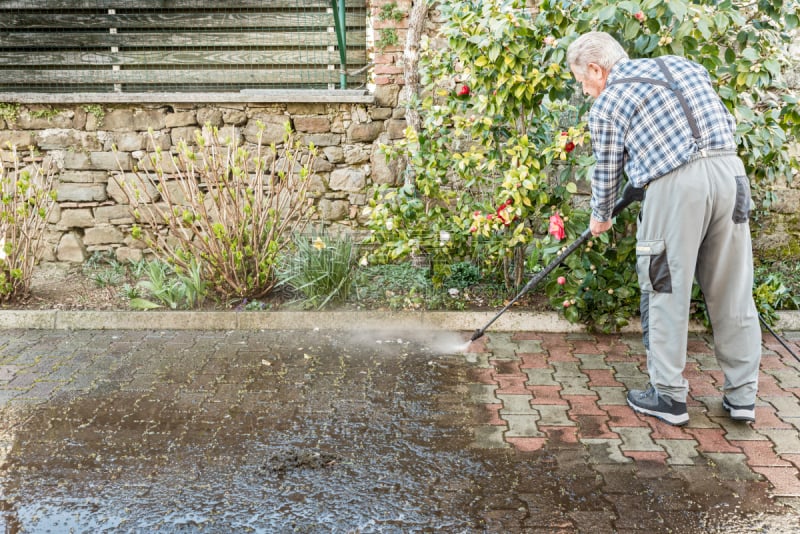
[(9, 112)]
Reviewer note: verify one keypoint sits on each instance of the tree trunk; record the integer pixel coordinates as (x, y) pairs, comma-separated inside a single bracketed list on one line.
[(416, 25)]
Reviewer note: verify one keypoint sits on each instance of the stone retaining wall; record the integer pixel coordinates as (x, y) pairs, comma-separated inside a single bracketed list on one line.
[(93, 211)]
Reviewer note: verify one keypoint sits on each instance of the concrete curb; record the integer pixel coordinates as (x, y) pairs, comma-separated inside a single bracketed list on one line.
[(300, 320)]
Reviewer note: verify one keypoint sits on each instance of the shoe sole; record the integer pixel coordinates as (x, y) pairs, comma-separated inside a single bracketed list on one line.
[(672, 419), (739, 414)]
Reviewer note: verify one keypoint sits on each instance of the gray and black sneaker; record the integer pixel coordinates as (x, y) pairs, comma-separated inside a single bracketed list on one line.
[(649, 402), (740, 413)]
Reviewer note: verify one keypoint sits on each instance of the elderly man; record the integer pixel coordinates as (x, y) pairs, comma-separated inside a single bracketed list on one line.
[(661, 122)]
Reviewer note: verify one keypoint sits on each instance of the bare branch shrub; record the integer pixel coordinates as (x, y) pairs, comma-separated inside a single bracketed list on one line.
[(233, 209), (27, 199)]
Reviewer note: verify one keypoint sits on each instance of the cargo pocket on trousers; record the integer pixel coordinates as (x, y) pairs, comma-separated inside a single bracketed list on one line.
[(652, 266), (741, 211)]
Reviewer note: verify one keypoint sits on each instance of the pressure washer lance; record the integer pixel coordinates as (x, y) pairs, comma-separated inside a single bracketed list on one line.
[(629, 194)]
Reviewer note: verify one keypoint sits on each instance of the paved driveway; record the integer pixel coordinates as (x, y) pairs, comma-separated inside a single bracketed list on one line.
[(320, 431)]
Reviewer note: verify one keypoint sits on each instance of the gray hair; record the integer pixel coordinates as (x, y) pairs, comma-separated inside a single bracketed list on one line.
[(594, 47)]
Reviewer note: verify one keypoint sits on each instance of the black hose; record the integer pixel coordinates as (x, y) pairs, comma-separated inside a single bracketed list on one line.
[(776, 336)]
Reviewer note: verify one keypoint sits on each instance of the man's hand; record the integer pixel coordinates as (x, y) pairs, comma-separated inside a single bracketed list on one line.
[(598, 227)]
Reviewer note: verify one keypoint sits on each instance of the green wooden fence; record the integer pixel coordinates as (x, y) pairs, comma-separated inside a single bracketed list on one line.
[(135, 46)]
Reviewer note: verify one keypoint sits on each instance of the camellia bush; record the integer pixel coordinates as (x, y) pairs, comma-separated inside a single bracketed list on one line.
[(503, 146)]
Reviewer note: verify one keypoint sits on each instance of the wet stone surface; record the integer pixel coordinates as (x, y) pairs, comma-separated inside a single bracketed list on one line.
[(280, 431)]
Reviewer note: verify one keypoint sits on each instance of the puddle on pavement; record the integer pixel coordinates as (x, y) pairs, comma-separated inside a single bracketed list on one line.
[(313, 432)]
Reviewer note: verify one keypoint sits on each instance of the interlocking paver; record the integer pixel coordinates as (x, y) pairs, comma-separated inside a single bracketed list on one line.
[(592, 361), (611, 396), (732, 466), (786, 441), (787, 378), (636, 439), (553, 415), (546, 395), (602, 378), (760, 454), (489, 437), (541, 377), (605, 451), (482, 393), (523, 426), (783, 479), (712, 440), (517, 405), (680, 451), (575, 385)]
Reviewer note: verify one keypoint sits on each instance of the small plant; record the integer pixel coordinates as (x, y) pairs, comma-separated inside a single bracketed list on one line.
[(321, 268), (104, 269), (238, 211), (97, 111), (9, 112), (171, 288), (463, 275), (390, 11), (388, 38), (397, 286), (45, 113), (27, 199)]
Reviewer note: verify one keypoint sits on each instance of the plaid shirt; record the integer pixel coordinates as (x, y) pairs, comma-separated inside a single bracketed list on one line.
[(641, 127)]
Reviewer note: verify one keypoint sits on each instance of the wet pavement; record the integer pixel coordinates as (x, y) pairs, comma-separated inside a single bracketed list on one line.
[(323, 431)]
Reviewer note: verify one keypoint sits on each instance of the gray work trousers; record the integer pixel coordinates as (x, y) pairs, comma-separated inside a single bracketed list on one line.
[(694, 223)]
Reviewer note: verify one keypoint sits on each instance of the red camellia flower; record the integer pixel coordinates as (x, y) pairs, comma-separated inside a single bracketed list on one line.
[(463, 90), (569, 147), (557, 227), (639, 16), (561, 280)]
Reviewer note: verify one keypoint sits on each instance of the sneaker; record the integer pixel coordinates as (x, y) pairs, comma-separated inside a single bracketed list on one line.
[(649, 402), (740, 413)]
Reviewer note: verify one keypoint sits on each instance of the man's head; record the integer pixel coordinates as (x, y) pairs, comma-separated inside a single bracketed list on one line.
[(591, 57)]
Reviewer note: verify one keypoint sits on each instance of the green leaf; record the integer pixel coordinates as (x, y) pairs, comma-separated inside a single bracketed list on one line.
[(678, 8), (751, 54), (143, 304), (630, 7), (572, 188), (607, 13), (632, 28)]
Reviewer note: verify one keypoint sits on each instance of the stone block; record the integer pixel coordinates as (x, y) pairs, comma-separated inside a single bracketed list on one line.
[(42, 117), (130, 141), (104, 234), (347, 180), (111, 161), (274, 128), (83, 177), (72, 192), (333, 210), (383, 170), (380, 114), (312, 124), (212, 116), (334, 154), (186, 134), (18, 138), (323, 139), (365, 132), (321, 165), (76, 161), (128, 254), (181, 118), (316, 184), (76, 218), (138, 186), (236, 117), (71, 249), (354, 154), (120, 120), (58, 138), (386, 95), (396, 128), (119, 214)]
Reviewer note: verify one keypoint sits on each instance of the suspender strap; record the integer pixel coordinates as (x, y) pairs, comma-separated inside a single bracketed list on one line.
[(669, 84)]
